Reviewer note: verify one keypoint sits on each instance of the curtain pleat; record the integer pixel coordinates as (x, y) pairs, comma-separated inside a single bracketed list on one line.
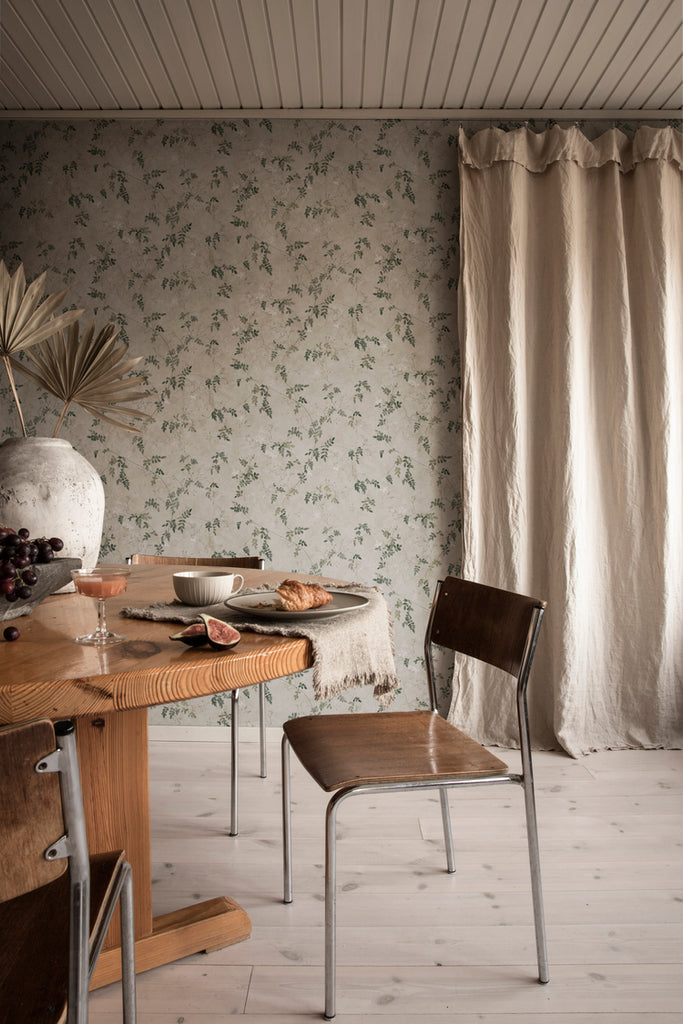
[(571, 325)]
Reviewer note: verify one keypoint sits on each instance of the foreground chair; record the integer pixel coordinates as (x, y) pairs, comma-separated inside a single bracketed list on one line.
[(368, 753), (238, 562), (53, 922)]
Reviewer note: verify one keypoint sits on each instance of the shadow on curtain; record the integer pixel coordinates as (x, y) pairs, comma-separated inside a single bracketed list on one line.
[(571, 324)]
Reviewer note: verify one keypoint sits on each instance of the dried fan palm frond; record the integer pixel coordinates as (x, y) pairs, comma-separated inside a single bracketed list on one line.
[(23, 322), (88, 369)]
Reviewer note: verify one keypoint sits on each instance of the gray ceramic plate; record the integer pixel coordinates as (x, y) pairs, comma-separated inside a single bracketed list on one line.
[(264, 605)]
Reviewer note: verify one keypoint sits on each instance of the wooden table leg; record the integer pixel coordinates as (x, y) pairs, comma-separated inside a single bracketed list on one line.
[(113, 755)]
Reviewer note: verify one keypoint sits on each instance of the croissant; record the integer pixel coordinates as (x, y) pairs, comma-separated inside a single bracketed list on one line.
[(295, 596)]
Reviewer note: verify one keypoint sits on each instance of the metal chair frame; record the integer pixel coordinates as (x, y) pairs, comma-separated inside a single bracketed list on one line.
[(238, 562), (85, 945), (524, 779)]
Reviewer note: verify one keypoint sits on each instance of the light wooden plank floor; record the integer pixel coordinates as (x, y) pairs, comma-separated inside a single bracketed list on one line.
[(416, 945)]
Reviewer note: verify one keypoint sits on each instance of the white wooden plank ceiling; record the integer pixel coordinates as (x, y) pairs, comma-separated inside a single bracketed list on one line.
[(357, 57)]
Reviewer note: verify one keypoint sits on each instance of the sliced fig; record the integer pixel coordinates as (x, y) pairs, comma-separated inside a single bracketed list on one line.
[(194, 635), (221, 636)]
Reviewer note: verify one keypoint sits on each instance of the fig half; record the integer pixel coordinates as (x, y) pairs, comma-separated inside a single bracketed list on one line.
[(193, 635), (218, 634)]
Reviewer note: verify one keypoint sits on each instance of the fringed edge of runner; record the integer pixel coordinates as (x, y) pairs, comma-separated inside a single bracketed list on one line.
[(384, 686)]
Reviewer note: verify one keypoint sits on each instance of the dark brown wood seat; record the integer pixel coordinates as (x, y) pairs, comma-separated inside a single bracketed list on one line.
[(371, 749)]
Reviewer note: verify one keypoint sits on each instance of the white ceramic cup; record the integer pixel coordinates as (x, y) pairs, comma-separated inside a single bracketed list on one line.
[(201, 587)]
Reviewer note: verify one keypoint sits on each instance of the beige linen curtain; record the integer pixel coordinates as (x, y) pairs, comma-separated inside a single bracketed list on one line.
[(571, 322)]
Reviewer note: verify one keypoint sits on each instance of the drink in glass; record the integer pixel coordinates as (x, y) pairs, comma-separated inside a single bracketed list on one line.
[(101, 582)]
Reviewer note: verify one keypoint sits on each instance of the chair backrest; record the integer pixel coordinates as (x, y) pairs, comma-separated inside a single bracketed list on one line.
[(239, 561), (494, 626), (31, 816)]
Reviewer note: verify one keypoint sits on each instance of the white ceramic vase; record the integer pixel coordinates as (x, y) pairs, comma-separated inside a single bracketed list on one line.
[(49, 488)]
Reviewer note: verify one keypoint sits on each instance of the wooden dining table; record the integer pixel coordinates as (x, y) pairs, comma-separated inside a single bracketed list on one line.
[(107, 692)]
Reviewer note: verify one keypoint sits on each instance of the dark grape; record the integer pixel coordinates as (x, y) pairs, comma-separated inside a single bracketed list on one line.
[(56, 543), (46, 554), (23, 533), (12, 540), (23, 592), (11, 597), (29, 577), (7, 571), (11, 633), (7, 587)]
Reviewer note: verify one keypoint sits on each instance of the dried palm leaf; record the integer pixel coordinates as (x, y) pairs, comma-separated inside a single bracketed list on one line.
[(23, 322), (88, 369)]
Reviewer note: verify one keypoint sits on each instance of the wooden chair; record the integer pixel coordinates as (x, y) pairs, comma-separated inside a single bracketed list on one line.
[(53, 922), (350, 754), (237, 562)]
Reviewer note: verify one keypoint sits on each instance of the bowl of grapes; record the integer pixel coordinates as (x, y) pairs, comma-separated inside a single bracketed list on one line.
[(30, 569)]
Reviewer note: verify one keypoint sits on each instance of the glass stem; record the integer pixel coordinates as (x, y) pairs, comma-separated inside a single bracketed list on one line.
[(101, 619)]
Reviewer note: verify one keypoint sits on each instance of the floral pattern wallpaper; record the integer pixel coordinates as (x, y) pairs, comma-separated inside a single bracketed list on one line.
[(291, 285), (292, 288)]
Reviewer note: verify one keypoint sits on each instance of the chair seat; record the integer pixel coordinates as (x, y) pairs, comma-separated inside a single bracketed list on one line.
[(34, 953), (397, 746)]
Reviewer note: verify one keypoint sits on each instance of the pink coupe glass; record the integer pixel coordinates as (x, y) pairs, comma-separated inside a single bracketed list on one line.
[(100, 583)]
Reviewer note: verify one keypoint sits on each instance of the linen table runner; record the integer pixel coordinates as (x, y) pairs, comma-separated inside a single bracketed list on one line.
[(351, 649)]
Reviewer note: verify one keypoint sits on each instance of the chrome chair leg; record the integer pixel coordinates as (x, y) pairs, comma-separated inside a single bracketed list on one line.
[(128, 948), (262, 726), (286, 822), (79, 874), (234, 757), (536, 888), (447, 831), (532, 834), (331, 905), (79, 960)]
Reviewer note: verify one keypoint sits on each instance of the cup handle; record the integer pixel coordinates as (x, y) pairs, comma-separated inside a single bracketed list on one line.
[(236, 590)]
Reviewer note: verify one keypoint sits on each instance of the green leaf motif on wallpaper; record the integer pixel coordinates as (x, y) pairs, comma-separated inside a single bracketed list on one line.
[(363, 485), (174, 239), (391, 404), (294, 285), (323, 493), (219, 175), (403, 470), (219, 459), (181, 279), (364, 198)]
